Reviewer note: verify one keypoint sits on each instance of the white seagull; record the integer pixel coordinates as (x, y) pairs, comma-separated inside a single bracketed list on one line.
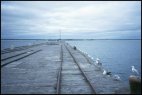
[(104, 72), (98, 62), (97, 59), (116, 77), (134, 70)]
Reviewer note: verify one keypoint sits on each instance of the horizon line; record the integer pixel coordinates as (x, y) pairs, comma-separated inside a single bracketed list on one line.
[(70, 39)]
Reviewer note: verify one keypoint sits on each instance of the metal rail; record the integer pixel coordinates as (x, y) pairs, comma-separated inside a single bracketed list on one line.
[(16, 49), (58, 86), (19, 58), (14, 55), (8, 50), (85, 76)]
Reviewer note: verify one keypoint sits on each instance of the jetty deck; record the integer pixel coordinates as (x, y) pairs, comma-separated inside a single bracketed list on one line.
[(54, 68)]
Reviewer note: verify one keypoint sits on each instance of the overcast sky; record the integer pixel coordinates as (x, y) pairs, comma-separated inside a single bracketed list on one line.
[(75, 19)]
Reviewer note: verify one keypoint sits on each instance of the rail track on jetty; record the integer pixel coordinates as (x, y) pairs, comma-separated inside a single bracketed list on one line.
[(53, 67)]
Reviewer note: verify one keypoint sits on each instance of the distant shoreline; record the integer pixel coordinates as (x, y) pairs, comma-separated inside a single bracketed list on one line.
[(70, 39)]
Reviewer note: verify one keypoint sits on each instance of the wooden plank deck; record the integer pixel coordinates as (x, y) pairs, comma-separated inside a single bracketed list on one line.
[(38, 73)]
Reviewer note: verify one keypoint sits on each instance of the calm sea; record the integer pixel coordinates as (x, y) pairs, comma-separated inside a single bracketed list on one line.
[(116, 56)]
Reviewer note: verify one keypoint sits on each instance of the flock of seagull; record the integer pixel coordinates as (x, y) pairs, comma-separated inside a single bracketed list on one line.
[(106, 72), (99, 65)]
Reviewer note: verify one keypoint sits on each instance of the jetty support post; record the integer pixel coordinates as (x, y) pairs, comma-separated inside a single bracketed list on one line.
[(135, 84)]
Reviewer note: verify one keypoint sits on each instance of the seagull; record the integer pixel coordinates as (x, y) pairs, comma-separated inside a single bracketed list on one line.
[(116, 77), (98, 62), (106, 73), (97, 59), (134, 70)]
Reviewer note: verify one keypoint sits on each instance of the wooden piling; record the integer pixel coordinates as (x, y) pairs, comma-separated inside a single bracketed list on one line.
[(135, 84)]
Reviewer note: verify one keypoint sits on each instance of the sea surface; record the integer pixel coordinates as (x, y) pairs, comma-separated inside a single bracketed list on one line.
[(117, 56)]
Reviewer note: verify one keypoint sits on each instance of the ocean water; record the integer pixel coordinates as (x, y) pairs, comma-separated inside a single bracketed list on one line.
[(116, 56)]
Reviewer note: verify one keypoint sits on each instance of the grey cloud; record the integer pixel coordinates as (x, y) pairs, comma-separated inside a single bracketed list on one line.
[(76, 19)]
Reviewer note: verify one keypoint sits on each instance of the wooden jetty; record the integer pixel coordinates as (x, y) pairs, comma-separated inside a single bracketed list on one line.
[(54, 67)]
